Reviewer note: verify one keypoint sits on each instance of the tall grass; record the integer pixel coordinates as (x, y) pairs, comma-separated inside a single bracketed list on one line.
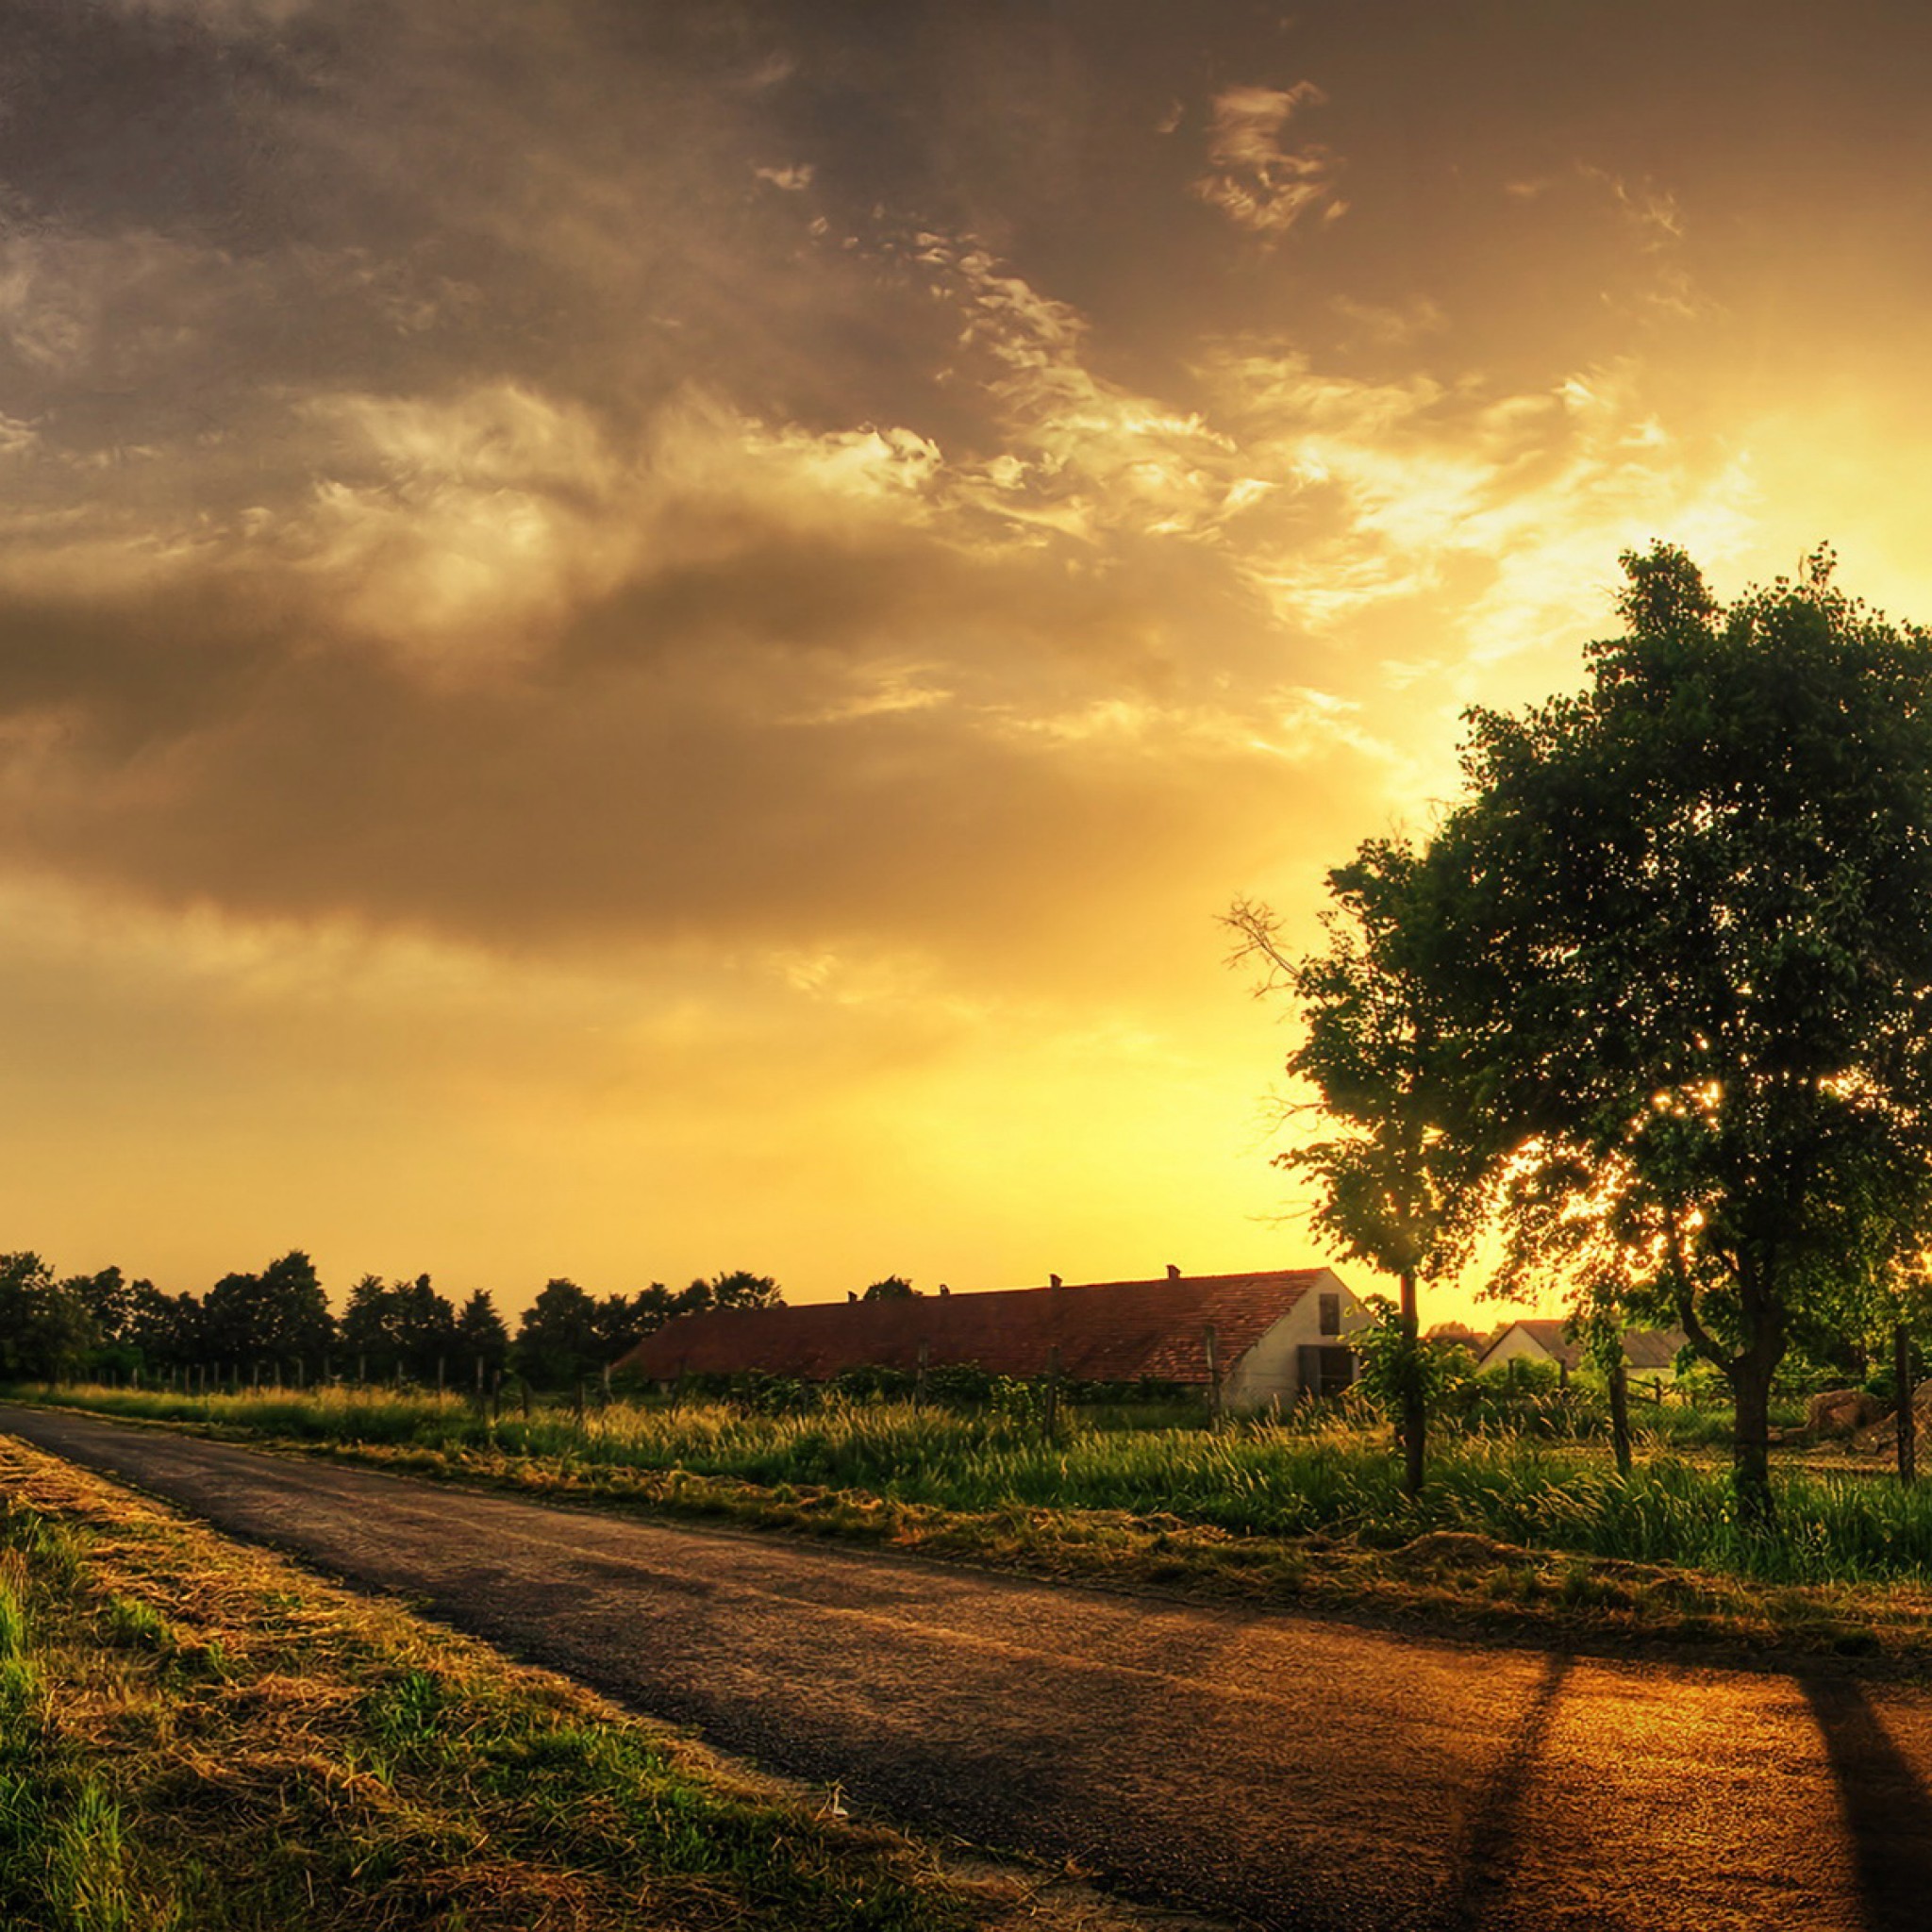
[(1250, 1479)]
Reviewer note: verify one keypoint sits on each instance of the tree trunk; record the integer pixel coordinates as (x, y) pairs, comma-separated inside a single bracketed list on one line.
[(1620, 1411), (1908, 1413), (1411, 1393), (1750, 1379)]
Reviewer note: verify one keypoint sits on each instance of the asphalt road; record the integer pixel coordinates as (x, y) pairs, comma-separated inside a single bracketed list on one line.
[(1284, 1771)]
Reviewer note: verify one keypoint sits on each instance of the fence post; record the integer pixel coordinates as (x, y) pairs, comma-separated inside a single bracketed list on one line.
[(606, 1385), (439, 1379), (1210, 1347), (919, 1378), (363, 1371), (1908, 1412), (1050, 1415)]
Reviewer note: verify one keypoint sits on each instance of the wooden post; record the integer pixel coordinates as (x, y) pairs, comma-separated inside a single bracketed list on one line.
[(606, 1385), (1414, 1419), (1050, 1413), (255, 1379), (523, 1394), (1210, 1345), (479, 1381), (1620, 1412), (363, 1371), (441, 1380), (1908, 1412), (495, 1396), (919, 1378)]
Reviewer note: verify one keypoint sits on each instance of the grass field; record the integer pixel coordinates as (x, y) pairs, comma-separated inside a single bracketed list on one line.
[(1510, 1531), (196, 1735)]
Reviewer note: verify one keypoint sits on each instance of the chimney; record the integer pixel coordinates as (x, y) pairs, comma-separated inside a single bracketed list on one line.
[(1174, 1274), (851, 1295), (1053, 1281), (944, 1289)]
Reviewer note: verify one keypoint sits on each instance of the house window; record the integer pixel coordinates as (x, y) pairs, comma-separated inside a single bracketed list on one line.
[(1325, 1371), (1331, 1315)]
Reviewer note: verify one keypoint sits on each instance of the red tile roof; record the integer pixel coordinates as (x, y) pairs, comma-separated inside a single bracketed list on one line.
[(1106, 1331)]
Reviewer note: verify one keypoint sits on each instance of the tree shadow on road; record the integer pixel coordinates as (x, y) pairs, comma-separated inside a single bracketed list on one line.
[(1489, 1855), (1888, 1814)]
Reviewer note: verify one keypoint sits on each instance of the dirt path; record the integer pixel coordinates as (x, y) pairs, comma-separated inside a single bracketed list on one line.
[(1282, 1770)]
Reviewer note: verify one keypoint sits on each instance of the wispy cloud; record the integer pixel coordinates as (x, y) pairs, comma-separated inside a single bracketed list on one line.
[(1253, 180)]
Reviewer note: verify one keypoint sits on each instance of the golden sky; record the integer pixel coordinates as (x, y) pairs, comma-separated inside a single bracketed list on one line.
[(637, 640)]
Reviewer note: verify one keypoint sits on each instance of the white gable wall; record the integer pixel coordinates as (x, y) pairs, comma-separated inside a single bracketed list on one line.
[(1273, 1366)]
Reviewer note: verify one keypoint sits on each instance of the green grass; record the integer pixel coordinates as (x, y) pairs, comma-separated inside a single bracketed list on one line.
[(1512, 1531), (194, 1734), (1248, 1480)]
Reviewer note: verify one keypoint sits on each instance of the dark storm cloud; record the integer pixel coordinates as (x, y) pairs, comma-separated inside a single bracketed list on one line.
[(608, 470), (635, 787)]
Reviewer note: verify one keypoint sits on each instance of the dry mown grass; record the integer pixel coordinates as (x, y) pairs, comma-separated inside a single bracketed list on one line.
[(195, 1734)]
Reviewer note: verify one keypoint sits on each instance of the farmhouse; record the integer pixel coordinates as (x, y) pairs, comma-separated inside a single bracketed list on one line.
[(1279, 1333), (1646, 1351)]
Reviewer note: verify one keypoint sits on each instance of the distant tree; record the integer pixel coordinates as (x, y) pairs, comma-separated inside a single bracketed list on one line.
[(46, 1331), (367, 1341), (423, 1328), (165, 1330), (481, 1337), (278, 1317), (623, 1321), (105, 1297), (894, 1288), (742, 1289), (556, 1343)]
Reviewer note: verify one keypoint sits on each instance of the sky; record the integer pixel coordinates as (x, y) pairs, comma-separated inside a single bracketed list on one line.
[(645, 639)]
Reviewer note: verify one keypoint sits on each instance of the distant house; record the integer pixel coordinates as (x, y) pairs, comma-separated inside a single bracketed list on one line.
[(1646, 1351), (1279, 1333)]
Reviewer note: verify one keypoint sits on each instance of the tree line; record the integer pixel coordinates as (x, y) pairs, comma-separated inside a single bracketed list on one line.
[(1651, 1006), (276, 1325)]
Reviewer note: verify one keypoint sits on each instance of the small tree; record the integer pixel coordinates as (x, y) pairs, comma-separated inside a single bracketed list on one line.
[(1402, 1157), (894, 1288)]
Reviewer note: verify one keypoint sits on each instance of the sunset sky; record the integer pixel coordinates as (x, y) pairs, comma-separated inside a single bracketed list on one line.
[(644, 636)]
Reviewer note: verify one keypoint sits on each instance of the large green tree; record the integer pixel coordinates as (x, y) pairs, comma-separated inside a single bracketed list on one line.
[(1686, 920)]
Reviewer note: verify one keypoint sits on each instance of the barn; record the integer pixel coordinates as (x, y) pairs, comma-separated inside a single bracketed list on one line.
[(1277, 1334)]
